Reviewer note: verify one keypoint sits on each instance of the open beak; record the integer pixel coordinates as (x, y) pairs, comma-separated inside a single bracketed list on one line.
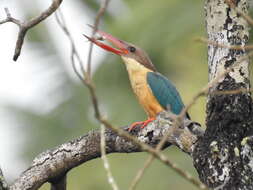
[(121, 47)]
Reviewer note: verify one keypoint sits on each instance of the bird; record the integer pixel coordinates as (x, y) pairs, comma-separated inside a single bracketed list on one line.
[(154, 92)]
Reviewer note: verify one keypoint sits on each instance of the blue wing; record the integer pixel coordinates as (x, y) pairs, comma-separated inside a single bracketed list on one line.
[(165, 92)]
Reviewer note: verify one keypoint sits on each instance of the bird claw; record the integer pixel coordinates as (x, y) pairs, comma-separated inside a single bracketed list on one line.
[(142, 123)]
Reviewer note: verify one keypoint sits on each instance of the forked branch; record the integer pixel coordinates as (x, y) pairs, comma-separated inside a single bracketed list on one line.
[(24, 26)]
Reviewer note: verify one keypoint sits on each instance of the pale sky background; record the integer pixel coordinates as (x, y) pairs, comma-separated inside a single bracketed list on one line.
[(22, 84)]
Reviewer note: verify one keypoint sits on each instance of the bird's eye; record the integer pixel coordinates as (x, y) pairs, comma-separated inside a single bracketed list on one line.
[(132, 49)]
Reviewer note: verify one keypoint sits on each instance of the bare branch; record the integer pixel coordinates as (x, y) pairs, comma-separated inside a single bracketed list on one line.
[(235, 47), (100, 13), (140, 173), (212, 83), (150, 159), (3, 183), (111, 180), (85, 78), (9, 18), (54, 163), (87, 82), (26, 25), (74, 53), (230, 92)]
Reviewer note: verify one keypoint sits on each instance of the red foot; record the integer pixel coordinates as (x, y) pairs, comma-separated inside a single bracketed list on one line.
[(142, 123)]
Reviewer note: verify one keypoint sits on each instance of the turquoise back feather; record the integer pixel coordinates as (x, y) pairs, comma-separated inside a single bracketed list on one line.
[(165, 92)]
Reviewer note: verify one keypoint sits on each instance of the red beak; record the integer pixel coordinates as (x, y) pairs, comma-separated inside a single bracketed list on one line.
[(122, 47)]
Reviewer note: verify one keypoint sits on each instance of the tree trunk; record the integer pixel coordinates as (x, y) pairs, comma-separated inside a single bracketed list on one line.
[(224, 156)]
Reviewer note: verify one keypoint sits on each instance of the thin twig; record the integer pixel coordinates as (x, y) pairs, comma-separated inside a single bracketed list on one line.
[(9, 18), (94, 99), (240, 12), (88, 83), (74, 53), (24, 26), (204, 91), (110, 178), (178, 119), (100, 13), (231, 92), (143, 146), (212, 83), (155, 153), (150, 159), (140, 173), (235, 47), (125, 134)]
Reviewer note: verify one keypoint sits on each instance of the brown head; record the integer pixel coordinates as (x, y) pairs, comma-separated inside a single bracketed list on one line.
[(131, 54)]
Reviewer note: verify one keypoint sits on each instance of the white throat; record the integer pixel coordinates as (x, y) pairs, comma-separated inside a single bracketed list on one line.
[(133, 66)]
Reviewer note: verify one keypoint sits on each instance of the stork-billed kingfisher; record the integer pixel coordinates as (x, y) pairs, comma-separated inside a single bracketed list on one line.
[(154, 91)]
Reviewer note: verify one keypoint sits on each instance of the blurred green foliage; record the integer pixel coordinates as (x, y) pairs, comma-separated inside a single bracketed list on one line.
[(166, 30)]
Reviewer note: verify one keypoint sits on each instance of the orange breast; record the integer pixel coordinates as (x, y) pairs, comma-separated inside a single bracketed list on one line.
[(147, 100), (138, 78), (144, 94)]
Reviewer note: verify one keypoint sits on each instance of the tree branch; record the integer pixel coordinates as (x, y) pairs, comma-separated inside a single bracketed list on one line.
[(26, 25), (54, 163), (216, 44), (100, 13)]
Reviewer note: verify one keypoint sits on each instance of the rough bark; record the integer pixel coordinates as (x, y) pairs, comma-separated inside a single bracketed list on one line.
[(224, 155), (3, 183), (51, 165)]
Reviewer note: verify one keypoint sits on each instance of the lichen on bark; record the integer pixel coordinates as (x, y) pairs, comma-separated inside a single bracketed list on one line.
[(220, 158)]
